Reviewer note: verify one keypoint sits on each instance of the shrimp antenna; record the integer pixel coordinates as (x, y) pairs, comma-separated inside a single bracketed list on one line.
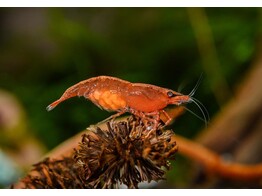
[(199, 105), (195, 114), (204, 108), (197, 85)]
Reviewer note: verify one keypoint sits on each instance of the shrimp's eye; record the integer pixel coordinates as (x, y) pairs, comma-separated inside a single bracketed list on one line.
[(170, 94)]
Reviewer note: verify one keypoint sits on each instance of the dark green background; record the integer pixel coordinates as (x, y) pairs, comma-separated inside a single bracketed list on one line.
[(44, 51)]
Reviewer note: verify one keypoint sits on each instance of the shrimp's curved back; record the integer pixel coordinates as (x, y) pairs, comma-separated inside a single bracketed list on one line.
[(87, 88)]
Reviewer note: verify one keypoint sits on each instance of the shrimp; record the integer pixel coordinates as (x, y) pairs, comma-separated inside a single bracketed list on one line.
[(113, 94)]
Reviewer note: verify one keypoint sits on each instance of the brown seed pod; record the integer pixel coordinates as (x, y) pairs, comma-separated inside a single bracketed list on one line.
[(54, 174), (124, 153)]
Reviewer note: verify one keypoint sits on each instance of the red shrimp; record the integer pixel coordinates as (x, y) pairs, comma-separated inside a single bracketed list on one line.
[(113, 94)]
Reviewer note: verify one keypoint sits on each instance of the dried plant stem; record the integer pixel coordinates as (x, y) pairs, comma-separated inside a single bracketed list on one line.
[(209, 159), (215, 164)]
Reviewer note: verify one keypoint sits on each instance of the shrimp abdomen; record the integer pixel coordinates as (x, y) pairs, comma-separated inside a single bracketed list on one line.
[(80, 89), (98, 90)]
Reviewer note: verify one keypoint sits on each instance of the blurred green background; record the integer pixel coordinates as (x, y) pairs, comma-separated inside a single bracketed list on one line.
[(44, 51)]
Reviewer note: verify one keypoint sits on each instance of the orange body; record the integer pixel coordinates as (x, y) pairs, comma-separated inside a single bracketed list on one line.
[(114, 94)]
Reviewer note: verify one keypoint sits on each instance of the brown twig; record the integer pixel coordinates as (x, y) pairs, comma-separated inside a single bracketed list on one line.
[(215, 164), (209, 159)]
